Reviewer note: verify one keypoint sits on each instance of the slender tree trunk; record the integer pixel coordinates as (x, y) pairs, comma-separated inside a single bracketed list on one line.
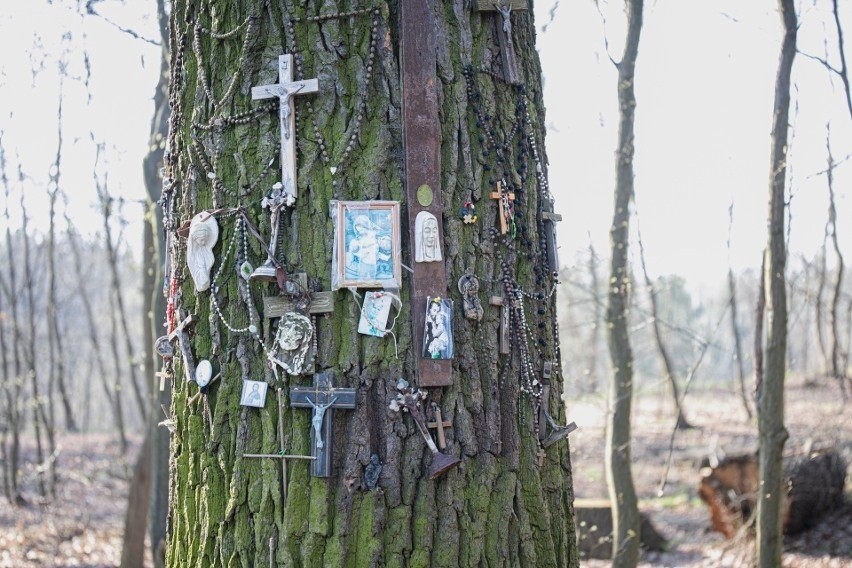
[(838, 371), (112, 397), (822, 279), (40, 419), (119, 312), (622, 493), (735, 328), (597, 303), (681, 422), (498, 507), (841, 50), (15, 382), (759, 320), (772, 431)]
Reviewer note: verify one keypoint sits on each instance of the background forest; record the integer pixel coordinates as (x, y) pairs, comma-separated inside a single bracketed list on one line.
[(79, 391)]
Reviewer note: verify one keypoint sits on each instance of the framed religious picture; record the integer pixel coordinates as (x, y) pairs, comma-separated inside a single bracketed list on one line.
[(254, 394), (438, 334), (366, 244)]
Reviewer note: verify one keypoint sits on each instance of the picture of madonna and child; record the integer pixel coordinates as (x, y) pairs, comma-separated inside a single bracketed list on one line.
[(368, 245), (438, 335)]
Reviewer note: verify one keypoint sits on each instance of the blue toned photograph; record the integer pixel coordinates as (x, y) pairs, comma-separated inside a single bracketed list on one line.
[(369, 244)]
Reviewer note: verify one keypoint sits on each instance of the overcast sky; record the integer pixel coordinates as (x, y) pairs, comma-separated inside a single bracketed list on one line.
[(704, 88)]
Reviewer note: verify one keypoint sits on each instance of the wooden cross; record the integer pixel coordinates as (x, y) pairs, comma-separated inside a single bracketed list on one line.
[(511, 72), (183, 342), (439, 424), (500, 301), (281, 455), (550, 219), (503, 198), (323, 398), (285, 90), (277, 306)]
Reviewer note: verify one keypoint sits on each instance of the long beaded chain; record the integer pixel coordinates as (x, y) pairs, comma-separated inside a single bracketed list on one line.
[(251, 29), (239, 233), (362, 105)]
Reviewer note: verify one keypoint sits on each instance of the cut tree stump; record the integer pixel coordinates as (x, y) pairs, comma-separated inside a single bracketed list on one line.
[(814, 481), (594, 530)]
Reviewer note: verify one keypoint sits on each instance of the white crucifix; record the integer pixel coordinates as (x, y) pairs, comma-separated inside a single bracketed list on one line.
[(285, 90)]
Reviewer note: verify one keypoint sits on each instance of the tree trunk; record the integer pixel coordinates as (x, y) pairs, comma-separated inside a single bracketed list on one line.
[(838, 369), (681, 423), (772, 433), (499, 506), (138, 504), (735, 328), (622, 493), (597, 303)]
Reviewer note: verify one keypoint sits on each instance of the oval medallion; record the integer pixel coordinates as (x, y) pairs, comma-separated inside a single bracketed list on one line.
[(203, 373), (424, 195)]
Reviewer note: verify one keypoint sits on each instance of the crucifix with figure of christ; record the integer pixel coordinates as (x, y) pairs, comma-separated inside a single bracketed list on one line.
[(285, 90), (511, 69), (322, 398)]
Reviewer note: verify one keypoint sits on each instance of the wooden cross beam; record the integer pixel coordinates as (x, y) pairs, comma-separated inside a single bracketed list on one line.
[(183, 341), (503, 198), (285, 90), (511, 71), (277, 306), (438, 423), (281, 455), (323, 398), (422, 151), (504, 345)]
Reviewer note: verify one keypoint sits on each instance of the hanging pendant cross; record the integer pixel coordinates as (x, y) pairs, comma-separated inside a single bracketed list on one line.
[(322, 398), (503, 206), (285, 90)]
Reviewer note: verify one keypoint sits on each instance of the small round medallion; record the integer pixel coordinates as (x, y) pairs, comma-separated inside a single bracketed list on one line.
[(203, 373), (424, 195)]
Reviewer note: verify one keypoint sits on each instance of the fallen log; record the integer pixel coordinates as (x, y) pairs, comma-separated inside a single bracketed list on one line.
[(814, 487), (594, 530)]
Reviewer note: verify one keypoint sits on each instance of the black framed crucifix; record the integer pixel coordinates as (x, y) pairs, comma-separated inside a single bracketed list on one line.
[(322, 398)]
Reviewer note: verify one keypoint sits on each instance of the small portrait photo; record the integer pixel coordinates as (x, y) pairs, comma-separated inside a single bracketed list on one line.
[(254, 393), (368, 244), (438, 334)]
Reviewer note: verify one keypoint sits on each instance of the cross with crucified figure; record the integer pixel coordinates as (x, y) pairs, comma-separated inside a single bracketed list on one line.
[(285, 90)]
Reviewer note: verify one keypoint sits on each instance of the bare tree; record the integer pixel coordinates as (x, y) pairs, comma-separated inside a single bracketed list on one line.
[(735, 328), (597, 314), (625, 512), (772, 432), (838, 371)]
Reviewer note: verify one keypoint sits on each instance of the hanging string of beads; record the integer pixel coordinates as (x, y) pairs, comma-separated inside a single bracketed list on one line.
[(250, 34), (360, 112), (239, 258)]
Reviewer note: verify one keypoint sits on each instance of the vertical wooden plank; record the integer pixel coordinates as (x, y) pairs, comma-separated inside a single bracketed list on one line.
[(421, 141)]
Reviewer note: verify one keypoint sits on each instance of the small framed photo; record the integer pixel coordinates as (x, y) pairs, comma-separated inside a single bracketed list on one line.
[(438, 335), (367, 245), (254, 394)]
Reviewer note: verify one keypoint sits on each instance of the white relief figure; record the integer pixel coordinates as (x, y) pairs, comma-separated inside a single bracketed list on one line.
[(294, 340), (316, 419), (427, 245), (203, 234)]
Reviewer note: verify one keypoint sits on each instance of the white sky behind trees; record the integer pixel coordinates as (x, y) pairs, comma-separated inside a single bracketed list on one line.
[(704, 87)]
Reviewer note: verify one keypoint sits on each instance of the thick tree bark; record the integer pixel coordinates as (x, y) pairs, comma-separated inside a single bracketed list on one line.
[(498, 507), (770, 405), (622, 492)]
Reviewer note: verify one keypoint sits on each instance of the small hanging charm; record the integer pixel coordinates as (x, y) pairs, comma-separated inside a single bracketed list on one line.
[(245, 270), (375, 313), (468, 213), (469, 288)]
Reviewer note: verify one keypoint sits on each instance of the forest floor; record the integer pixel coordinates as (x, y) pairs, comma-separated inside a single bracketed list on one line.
[(814, 415), (84, 525)]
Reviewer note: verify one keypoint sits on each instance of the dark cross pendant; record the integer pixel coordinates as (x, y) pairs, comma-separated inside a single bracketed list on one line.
[(503, 342), (281, 455), (511, 71), (183, 342), (322, 398), (504, 213), (550, 219)]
